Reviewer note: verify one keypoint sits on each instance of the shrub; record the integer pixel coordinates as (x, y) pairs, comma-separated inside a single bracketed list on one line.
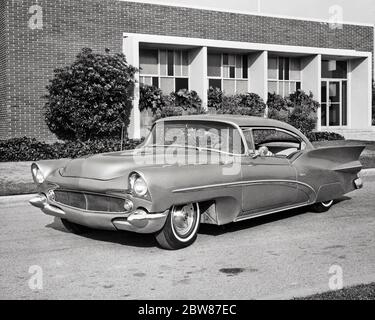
[(151, 98), (245, 104), (29, 149), (180, 103), (215, 98), (91, 98), (323, 135), (278, 107), (251, 104), (303, 111), (187, 100), (24, 149)]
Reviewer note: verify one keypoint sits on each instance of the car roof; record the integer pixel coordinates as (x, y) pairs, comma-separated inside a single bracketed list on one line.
[(239, 120)]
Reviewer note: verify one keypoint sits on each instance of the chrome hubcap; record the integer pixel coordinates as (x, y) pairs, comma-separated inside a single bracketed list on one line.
[(183, 219)]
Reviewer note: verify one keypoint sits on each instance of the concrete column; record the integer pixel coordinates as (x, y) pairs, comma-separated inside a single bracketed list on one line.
[(258, 74), (359, 93), (311, 79), (198, 73), (131, 51)]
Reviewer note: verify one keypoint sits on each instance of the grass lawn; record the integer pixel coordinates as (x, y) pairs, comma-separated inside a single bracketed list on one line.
[(360, 292), (15, 177)]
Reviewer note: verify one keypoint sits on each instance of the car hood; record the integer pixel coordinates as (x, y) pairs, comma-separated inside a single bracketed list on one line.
[(109, 166)]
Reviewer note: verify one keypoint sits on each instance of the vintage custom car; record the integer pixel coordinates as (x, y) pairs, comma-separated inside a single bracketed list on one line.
[(214, 169)]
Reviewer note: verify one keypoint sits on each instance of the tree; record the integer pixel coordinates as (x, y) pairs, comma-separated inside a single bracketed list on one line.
[(91, 98)]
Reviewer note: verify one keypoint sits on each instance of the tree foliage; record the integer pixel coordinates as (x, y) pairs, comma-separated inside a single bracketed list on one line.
[(91, 98)]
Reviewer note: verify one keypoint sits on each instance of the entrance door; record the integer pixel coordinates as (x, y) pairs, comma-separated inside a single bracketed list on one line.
[(334, 103)]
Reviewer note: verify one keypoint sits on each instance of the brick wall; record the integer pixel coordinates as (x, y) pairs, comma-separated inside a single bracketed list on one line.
[(3, 65), (69, 25)]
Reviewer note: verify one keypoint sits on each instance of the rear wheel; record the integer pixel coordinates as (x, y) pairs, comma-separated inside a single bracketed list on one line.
[(74, 228), (181, 227), (322, 206)]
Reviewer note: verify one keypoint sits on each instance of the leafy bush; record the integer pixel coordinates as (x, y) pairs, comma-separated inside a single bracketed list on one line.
[(91, 98), (29, 149), (180, 103), (246, 104), (278, 107), (303, 113), (187, 100), (323, 135), (151, 98), (24, 149), (215, 98)]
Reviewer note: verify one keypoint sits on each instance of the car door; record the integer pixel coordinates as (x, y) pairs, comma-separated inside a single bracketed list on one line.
[(269, 182)]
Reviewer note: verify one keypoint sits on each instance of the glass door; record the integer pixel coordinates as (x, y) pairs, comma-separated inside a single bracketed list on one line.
[(334, 103)]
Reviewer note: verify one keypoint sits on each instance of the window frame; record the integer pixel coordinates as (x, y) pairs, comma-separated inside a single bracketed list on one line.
[(239, 56), (236, 127), (252, 128), (160, 76), (277, 80)]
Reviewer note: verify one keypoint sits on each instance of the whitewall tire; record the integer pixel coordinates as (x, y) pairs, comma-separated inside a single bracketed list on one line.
[(322, 206), (181, 227)]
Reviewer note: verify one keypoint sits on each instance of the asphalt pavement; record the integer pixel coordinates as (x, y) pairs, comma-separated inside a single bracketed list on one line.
[(289, 254)]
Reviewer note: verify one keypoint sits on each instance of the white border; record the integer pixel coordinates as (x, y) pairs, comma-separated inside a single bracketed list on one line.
[(245, 12)]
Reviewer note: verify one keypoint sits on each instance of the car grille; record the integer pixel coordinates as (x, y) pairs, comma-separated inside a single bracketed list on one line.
[(90, 202)]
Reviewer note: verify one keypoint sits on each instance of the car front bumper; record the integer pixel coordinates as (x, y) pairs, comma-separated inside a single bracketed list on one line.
[(138, 221)]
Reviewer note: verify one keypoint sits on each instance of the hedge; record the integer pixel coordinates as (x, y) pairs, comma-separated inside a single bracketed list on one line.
[(324, 136), (29, 149)]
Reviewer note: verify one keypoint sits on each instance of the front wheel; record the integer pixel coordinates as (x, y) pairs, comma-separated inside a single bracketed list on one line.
[(181, 227), (322, 206)]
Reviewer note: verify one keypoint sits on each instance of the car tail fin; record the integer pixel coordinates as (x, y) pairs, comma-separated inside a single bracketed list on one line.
[(337, 158)]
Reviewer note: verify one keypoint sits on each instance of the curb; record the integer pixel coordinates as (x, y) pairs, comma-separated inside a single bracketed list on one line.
[(6, 200)]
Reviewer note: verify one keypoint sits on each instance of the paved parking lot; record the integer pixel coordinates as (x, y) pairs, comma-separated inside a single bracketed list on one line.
[(286, 255)]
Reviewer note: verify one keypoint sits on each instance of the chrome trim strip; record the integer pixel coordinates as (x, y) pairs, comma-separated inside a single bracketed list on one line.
[(241, 183), (265, 213)]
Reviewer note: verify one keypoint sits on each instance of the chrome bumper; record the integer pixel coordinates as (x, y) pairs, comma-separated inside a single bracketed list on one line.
[(135, 221), (358, 183)]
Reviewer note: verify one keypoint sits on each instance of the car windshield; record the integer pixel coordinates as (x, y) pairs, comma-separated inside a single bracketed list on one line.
[(201, 135)]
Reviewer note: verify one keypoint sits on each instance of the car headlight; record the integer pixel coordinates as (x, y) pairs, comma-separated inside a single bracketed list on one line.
[(37, 174), (138, 185)]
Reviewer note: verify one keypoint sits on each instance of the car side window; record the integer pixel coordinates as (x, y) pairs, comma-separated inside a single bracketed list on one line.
[(279, 143), (248, 138)]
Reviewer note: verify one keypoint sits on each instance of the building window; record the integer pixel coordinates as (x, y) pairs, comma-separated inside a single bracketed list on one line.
[(334, 93), (228, 72), (165, 69), (334, 103), (284, 75), (148, 61), (333, 69)]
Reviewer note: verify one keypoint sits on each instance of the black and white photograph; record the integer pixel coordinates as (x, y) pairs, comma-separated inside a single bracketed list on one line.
[(189, 155)]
